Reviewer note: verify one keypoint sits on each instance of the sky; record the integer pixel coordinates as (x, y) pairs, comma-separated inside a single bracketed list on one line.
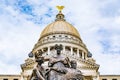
[(21, 22)]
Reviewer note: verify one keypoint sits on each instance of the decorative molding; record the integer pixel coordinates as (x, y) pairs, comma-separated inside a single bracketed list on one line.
[(28, 65), (68, 33), (72, 40)]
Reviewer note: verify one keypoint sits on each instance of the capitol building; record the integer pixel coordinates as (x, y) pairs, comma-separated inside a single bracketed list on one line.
[(63, 33)]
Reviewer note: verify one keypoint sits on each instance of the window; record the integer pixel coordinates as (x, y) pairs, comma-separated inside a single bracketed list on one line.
[(114, 79), (5, 79), (54, 36), (47, 37), (66, 36), (104, 79), (59, 35)]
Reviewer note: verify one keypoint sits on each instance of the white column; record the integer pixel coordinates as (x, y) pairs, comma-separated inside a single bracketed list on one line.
[(85, 55), (82, 55), (78, 53), (71, 50), (48, 50), (64, 49)]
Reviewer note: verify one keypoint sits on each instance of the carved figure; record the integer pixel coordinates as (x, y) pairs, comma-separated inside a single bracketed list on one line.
[(56, 62), (38, 72), (67, 74), (70, 73), (59, 68)]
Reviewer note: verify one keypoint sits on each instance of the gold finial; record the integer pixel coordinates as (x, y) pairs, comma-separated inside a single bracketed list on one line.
[(60, 8)]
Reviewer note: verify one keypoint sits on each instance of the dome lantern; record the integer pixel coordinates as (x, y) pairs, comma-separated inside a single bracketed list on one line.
[(60, 16)]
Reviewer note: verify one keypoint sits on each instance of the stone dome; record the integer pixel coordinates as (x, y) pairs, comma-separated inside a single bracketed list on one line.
[(60, 26)]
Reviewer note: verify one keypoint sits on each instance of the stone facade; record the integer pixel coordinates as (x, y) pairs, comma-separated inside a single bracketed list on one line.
[(101, 77), (10, 77), (62, 32), (109, 77)]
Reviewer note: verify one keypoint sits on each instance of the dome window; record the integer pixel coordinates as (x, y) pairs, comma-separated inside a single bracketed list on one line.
[(53, 36), (66, 36), (60, 36), (47, 37)]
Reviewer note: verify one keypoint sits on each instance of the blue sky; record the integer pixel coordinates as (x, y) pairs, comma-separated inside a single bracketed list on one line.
[(98, 22)]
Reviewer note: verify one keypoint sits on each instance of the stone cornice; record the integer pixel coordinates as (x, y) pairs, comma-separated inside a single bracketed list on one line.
[(88, 67), (28, 65), (10, 75), (117, 75)]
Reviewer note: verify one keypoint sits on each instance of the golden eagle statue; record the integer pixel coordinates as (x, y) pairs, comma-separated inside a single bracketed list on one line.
[(60, 8)]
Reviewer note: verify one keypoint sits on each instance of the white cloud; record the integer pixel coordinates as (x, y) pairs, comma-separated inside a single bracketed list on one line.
[(17, 38), (109, 63), (19, 31)]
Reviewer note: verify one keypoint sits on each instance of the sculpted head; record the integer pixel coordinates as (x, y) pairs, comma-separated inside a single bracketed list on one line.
[(73, 64), (58, 48)]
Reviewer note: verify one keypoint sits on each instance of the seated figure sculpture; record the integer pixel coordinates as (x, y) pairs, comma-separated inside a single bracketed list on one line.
[(59, 68)]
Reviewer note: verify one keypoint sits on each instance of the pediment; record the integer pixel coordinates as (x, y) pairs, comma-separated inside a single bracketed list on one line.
[(82, 63), (29, 64), (87, 65)]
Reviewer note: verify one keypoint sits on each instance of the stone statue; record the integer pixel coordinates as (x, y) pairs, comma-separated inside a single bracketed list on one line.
[(38, 72), (66, 73), (59, 68), (55, 64)]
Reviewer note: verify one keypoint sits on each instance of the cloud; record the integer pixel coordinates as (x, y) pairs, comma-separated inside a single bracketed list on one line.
[(22, 21), (16, 37)]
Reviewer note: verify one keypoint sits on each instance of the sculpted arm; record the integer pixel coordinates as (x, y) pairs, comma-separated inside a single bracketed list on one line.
[(46, 59)]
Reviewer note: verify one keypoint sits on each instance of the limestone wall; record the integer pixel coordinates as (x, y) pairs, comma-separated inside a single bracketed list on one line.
[(10, 77), (109, 77)]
